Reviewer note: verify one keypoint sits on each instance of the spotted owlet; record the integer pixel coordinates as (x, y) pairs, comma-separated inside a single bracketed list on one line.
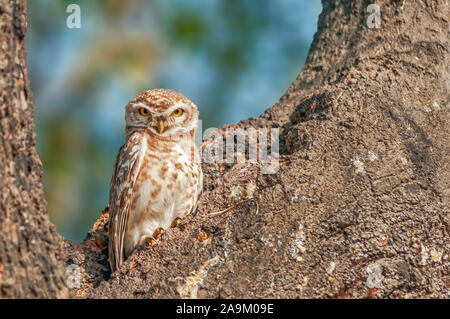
[(157, 177)]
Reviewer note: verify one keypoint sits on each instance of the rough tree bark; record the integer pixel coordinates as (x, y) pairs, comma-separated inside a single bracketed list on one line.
[(31, 263), (359, 206)]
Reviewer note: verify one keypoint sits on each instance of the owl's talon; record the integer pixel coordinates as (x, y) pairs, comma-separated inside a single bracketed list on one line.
[(176, 222), (158, 233), (150, 242)]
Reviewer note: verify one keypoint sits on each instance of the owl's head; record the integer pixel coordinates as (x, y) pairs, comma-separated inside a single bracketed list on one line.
[(163, 112)]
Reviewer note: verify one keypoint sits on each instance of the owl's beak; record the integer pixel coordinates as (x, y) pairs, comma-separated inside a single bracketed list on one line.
[(161, 126)]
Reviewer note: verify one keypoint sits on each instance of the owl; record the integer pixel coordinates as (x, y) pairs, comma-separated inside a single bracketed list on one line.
[(157, 178)]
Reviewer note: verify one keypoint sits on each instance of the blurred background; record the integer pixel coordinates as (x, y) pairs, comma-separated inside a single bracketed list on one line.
[(233, 58)]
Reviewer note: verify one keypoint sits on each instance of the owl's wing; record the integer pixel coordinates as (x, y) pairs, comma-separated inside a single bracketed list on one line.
[(128, 163)]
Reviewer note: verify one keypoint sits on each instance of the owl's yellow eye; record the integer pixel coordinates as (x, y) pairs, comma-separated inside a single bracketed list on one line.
[(143, 111), (177, 112)]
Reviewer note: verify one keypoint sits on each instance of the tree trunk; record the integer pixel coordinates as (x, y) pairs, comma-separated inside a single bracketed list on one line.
[(31, 264), (359, 204)]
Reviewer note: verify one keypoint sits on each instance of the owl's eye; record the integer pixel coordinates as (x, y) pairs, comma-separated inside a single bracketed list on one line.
[(177, 112), (144, 112)]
